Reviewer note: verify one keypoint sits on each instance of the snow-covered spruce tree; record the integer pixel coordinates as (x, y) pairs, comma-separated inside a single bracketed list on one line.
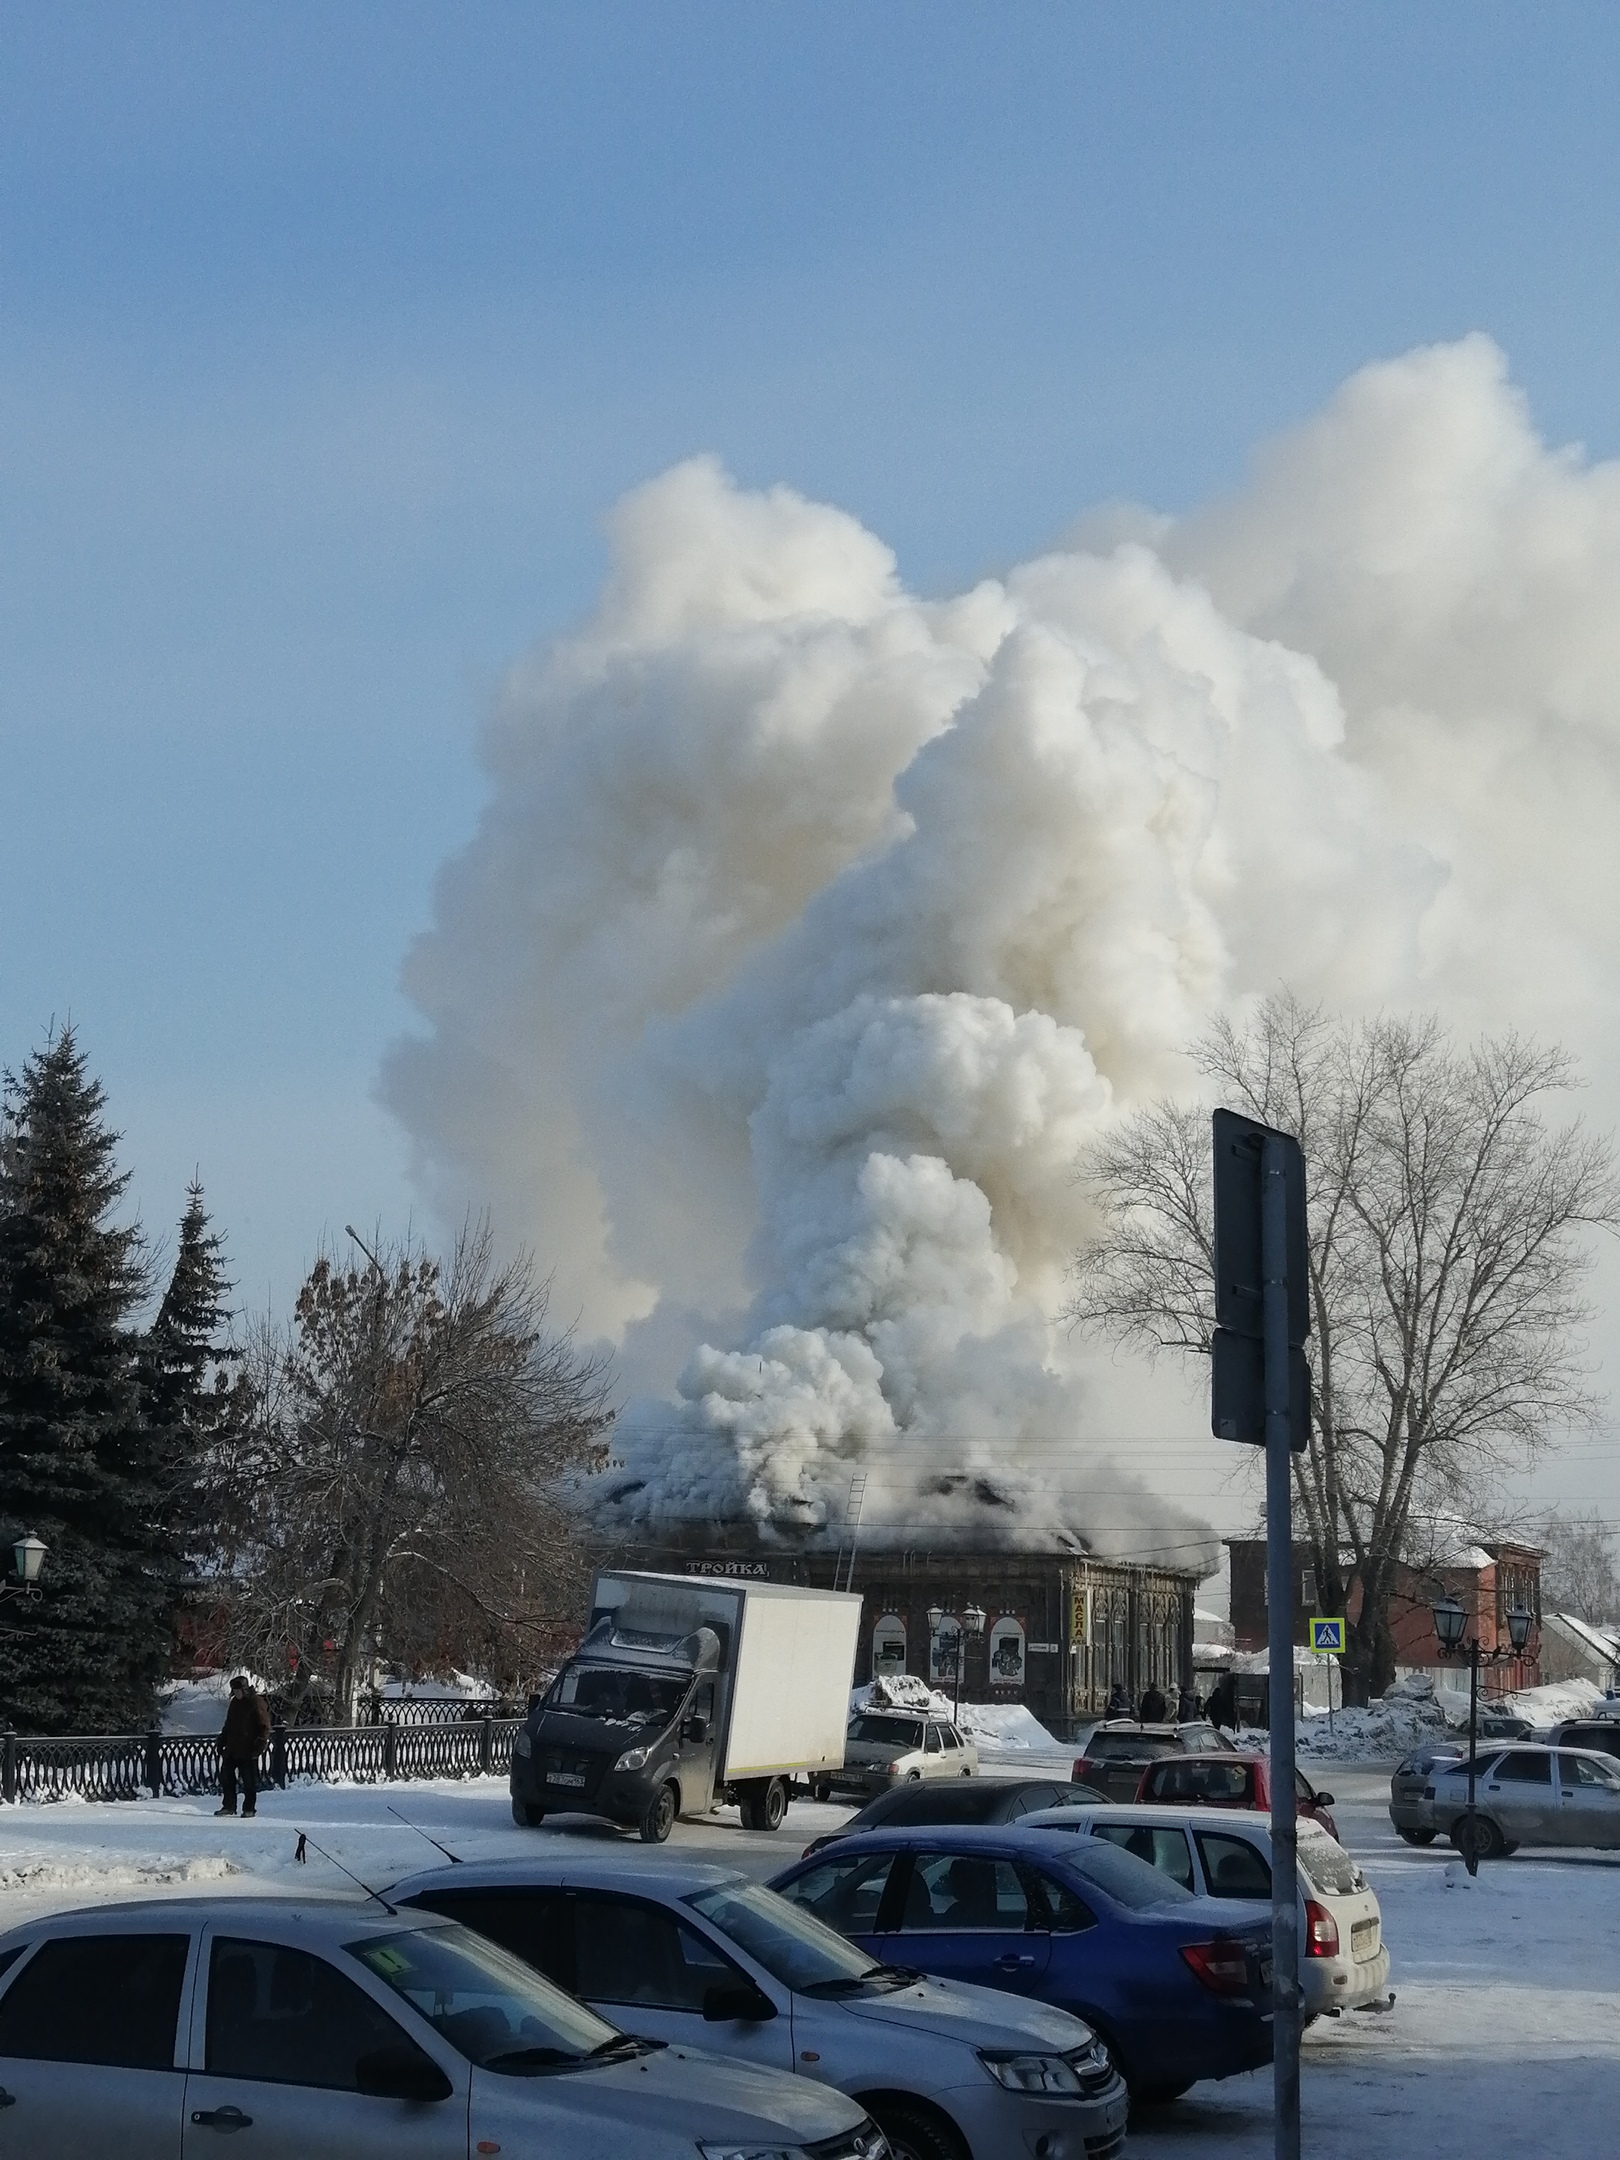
[(189, 1398), (72, 1468)]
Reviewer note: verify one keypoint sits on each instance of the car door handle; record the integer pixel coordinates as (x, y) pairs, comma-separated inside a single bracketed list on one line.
[(225, 2118), (1013, 1960)]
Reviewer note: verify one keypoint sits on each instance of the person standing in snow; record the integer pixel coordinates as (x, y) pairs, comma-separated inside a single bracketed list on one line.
[(243, 1739), (1119, 1703), (1153, 1704), (1223, 1703)]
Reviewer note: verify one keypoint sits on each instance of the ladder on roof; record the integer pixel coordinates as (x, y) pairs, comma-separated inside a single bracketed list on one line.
[(844, 1571)]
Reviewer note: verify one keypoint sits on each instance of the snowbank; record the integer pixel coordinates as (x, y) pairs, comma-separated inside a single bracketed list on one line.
[(1407, 1717)]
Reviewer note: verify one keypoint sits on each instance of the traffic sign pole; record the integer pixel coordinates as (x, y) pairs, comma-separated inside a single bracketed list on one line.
[(1280, 1646)]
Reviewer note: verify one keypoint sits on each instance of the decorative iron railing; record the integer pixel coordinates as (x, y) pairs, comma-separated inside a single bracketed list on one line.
[(150, 1765)]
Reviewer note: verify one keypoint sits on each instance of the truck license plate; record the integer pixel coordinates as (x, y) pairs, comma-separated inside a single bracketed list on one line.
[(564, 1777)]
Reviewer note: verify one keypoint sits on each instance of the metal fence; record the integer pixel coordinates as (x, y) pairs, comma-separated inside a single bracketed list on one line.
[(151, 1765)]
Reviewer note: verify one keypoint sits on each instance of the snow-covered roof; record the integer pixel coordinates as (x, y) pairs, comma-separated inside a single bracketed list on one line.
[(1602, 1642)]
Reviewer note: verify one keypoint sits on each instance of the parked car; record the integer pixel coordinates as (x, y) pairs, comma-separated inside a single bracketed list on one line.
[(335, 2031), (1119, 1749), (1218, 1854), (1177, 1992), (1411, 1798), (1600, 1736), (893, 1747), (1529, 1795), (1234, 1781), (688, 1953), (983, 1800)]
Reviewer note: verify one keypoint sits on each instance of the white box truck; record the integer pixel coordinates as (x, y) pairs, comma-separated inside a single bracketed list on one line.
[(687, 1690)]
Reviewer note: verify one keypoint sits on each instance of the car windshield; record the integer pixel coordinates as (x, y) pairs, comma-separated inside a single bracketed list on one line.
[(1130, 1747), (900, 1732), (1327, 1867), (1120, 1875), (490, 2006), (792, 1944), (619, 1697)]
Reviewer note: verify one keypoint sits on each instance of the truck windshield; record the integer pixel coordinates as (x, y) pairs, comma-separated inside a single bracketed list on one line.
[(792, 1945), (900, 1732), (620, 1697)]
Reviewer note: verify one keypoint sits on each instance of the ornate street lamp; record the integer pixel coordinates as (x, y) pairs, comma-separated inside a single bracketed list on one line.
[(1450, 1624), (27, 1559)]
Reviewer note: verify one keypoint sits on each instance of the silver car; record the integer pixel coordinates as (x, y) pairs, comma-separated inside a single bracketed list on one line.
[(1529, 1795), (885, 1748), (687, 1952), (328, 2030)]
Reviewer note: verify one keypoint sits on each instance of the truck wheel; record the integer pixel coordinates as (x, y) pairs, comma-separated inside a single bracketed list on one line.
[(822, 1790), (773, 1804), (526, 1817), (1417, 1837), (917, 2133), (659, 1819)]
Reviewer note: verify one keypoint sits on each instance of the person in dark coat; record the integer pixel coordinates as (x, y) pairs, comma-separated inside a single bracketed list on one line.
[(1119, 1703), (1223, 1704), (243, 1739), (1188, 1707), (1154, 1707)]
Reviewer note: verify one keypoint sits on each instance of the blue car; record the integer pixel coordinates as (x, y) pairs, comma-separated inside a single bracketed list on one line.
[(1174, 1989)]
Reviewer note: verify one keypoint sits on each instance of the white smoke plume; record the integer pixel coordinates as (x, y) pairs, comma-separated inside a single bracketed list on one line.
[(813, 927)]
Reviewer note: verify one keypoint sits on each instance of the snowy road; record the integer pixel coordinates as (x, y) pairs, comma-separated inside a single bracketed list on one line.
[(1506, 2031)]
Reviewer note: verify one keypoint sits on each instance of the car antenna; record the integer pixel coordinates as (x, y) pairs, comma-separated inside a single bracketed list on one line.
[(300, 1856), (454, 1858)]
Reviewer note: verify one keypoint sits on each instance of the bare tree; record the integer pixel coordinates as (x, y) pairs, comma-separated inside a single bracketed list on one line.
[(399, 1455), (1578, 1573), (1447, 1252)]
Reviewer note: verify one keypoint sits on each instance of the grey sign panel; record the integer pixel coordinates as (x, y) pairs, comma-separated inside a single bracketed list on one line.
[(1239, 1280)]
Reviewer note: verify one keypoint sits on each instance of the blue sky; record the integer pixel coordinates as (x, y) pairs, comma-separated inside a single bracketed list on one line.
[(328, 333)]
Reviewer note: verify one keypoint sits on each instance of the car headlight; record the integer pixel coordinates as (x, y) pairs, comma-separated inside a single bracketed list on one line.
[(1031, 2073), (751, 2152), (522, 1745), (632, 1759)]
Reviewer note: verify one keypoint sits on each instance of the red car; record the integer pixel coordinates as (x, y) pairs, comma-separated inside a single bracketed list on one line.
[(1235, 1781)]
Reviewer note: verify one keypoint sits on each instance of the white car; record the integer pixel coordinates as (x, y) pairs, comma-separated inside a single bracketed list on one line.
[(331, 2030), (692, 1953), (1529, 1794), (1226, 1853), (885, 1748)]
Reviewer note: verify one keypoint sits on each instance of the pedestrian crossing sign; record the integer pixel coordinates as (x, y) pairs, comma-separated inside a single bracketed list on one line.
[(1327, 1638)]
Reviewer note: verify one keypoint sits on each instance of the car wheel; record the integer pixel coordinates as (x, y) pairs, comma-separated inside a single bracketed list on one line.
[(916, 2133), (1159, 2095), (1416, 1837), (659, 1820), (1488, 1841), (913, 1777), (526, 1817)]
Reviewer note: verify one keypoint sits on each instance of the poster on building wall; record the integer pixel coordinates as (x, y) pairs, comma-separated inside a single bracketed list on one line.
[(888, 1646), (1007, 1647), (945, 1651), (1080, 1615)]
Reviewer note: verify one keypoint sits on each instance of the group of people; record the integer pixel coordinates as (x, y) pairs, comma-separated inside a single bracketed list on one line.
[(1155, 1706)]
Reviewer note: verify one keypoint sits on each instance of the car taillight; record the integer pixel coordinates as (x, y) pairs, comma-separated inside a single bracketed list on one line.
[(1321, 1931), (1222, 1965), (1080, 1772)]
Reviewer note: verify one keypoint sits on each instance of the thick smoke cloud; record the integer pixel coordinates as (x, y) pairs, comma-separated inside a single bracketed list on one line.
[(812, 927)]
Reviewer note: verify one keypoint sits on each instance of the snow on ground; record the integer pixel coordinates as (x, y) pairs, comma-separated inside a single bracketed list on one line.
[(1505, 2032)]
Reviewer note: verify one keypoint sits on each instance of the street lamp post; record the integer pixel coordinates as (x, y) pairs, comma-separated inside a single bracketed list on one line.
[(1450, 1621), (971, 1623), (27, 1559)]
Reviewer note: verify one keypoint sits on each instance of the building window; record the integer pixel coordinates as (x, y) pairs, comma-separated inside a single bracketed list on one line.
[(1307, 1587)]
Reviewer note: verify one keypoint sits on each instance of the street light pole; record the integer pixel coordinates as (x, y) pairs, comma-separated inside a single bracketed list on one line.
[(1450, 1619)]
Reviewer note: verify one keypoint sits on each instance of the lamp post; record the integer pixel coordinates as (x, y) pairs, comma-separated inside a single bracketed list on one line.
[(27, 1559), (971, 1623), (1450, 1621)]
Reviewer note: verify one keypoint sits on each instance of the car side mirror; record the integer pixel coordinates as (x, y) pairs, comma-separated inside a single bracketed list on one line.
[(1324, 1799), (730, 1999), (696, 1727), (400, 2073)]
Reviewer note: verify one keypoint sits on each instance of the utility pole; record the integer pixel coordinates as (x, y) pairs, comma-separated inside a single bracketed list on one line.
[(1260, 1394)]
